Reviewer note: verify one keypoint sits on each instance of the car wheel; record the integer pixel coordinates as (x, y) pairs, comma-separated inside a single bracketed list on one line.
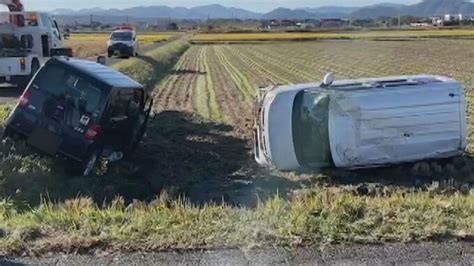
[(90, 165), (35, 66), (109, 54)]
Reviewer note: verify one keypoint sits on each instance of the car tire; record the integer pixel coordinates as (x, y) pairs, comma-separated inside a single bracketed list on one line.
[(24, 81), (35, 66), (109, 54)]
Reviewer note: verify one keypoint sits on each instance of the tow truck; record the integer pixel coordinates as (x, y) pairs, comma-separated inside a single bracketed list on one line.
[(27, 40)]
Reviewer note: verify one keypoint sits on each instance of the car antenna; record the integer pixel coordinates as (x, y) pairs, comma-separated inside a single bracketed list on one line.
[(328, 80)]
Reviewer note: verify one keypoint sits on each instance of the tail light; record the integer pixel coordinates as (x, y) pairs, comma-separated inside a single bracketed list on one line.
[(23, 64), (24, 98), (92, 131)]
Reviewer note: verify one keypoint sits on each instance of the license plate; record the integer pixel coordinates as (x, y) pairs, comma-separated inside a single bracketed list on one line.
[(45, 140), (116, 52)]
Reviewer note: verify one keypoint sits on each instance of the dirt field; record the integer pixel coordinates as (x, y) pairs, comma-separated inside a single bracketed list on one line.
[(200, 143), (199, 147), (219, 82)]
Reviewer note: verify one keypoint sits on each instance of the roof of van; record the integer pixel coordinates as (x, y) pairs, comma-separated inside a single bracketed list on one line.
[(107, 75)]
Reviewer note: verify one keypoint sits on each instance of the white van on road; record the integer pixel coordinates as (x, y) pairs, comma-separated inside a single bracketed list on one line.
[(123, 42), (360, 123)]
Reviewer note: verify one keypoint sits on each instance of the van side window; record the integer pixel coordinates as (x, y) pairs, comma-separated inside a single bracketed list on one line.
[(66, 86), (126, 103), (27, 41)]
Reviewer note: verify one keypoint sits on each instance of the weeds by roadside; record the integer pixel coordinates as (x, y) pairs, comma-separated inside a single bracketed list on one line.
[(323, 216)]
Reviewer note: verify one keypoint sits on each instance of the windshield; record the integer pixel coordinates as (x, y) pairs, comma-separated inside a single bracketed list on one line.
[(67, 86), (121, 36), (11, 46), (310, 129)]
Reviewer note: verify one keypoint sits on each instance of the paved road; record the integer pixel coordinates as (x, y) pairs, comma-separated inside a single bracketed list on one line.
[(391, 254)]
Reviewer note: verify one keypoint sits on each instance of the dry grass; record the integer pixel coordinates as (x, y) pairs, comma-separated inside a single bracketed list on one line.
[(325, 216), (89, 45), (252, 37)]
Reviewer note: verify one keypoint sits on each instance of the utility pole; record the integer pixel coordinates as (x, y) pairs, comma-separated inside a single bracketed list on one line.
[(399, 20), (91, 19)]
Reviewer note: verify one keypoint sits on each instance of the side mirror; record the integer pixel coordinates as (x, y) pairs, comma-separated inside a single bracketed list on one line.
[(66, 36), (101, 60), (152, 115)]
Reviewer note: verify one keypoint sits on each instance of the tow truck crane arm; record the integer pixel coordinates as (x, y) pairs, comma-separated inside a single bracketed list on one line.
[(13, 5)]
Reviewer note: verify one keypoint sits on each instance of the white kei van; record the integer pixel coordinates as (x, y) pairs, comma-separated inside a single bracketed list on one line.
[(360, 123)]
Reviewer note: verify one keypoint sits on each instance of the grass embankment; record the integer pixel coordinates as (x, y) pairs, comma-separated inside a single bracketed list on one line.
[(349, 35), (154, 65), (92, 44), (322, 217)]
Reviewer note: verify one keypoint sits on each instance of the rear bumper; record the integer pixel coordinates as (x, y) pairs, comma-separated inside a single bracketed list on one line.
[(120, 50), (61, 153), (259, 153)]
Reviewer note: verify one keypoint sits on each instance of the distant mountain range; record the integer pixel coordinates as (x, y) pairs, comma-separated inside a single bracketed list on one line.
[(424, 8)]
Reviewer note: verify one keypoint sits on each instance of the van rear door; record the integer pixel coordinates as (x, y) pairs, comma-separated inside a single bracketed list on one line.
[(397, 124), (66, 104)]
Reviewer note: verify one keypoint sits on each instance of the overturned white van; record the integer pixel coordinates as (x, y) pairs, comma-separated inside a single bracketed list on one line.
[(360, 123)]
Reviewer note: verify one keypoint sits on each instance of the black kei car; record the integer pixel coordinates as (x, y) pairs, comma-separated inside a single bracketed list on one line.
[(81, 111)]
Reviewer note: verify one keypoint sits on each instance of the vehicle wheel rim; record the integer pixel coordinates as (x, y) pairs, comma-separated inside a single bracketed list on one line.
[(34, 69), (90, 165)]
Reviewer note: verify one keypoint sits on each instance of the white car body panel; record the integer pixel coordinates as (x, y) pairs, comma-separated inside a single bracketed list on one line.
[(46, 25), (372, 125), (395, 125)]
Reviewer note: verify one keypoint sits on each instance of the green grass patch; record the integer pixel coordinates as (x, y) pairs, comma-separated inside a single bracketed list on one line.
[(323, 216), (4, 112), (153, 66)]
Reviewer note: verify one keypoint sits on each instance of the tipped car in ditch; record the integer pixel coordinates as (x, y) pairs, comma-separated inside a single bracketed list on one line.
[(81, 111), (360, 123)]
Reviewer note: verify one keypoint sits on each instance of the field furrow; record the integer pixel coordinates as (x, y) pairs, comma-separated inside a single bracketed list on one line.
[(219, 82), (241, 82)]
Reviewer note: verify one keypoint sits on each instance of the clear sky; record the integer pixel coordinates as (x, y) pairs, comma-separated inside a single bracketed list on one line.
[(254, 5)]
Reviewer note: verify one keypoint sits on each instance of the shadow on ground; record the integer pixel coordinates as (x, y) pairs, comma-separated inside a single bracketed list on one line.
[(204, 162), (182, 156)]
